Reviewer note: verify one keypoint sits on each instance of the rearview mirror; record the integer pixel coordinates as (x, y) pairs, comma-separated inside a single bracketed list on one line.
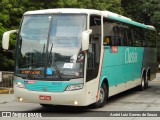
[(85, 39), (5, 39)]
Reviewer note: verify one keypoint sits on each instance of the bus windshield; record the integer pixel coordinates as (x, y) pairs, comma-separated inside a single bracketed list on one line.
[(49, 47)]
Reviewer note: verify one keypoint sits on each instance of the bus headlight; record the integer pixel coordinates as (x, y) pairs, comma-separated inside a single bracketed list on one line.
[(19, 84), (74, 87)]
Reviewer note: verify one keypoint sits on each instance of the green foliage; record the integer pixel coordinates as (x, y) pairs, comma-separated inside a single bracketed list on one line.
[(144, 11), (156, 20)]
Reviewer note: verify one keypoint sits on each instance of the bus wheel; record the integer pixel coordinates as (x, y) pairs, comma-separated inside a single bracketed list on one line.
[(142, 86), (46, 105), (103, 95), (146, 82)]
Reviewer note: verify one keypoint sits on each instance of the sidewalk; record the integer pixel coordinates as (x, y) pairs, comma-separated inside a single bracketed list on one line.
[(6, 98), (6, 90)]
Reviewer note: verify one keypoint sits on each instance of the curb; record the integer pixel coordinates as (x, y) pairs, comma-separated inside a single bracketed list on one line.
[(8, 91)]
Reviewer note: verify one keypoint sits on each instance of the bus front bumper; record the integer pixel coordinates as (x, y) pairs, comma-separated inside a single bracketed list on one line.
[(71, 98)]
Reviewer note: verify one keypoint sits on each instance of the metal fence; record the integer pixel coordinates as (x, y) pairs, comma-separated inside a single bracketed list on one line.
[(6, 80)]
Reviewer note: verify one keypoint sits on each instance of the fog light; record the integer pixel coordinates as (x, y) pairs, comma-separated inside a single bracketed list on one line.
[(20, 99), (75, 102)]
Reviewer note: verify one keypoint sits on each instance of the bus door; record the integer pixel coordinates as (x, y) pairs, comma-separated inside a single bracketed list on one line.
[(93, 58)]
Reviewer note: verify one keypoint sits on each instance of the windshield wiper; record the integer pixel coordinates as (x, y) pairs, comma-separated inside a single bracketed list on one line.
[(54, 63), (43, 50)]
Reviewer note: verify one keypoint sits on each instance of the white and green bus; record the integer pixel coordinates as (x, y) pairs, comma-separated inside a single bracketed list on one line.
[(79, 57)]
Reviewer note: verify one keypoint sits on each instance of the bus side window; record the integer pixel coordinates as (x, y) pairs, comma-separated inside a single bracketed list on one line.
[(138, 40), (125, 37), (150, 37), (130, 37)]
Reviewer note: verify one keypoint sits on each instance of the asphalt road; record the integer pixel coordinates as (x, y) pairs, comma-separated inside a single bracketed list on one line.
[(131, 102)]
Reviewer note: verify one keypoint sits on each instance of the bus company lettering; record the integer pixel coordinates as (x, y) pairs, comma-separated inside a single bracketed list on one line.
[(130, 57)]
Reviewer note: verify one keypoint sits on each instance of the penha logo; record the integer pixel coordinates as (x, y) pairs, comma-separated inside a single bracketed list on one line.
[(130, 57)]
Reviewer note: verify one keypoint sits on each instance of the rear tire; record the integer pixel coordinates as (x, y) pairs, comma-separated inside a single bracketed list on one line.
[(141, 87), (103, 95), (146, 82)]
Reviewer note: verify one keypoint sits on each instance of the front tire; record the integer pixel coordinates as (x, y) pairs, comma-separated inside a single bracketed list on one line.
[(46, 105), (103, 95)]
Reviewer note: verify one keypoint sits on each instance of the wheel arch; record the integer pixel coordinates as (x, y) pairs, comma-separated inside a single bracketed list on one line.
[(105, 81)]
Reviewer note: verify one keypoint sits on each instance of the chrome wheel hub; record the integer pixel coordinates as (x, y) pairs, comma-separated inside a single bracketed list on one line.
[(101, 95)]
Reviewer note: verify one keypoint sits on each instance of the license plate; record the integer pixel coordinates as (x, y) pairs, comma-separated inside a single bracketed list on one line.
[(43, 97)]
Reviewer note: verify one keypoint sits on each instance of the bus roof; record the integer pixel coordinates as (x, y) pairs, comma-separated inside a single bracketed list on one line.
[(124, 19), (107, 14), (65, 10)]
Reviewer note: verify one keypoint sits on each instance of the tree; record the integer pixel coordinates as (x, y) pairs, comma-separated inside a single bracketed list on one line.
[(141, 10), (144, 11), (12, 11)]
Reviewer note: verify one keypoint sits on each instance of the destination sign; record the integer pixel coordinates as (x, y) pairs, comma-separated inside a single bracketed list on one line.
[(34, 72)]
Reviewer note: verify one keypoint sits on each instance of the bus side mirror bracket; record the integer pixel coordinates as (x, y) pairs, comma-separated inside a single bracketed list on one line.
[(85, 39), (5, 39)]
